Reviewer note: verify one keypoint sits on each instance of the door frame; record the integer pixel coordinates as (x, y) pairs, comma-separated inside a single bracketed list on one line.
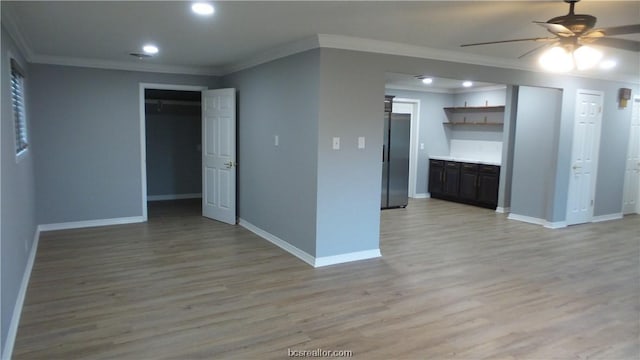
[(143, 135), (595, 150), (635, 107), (413, 143)]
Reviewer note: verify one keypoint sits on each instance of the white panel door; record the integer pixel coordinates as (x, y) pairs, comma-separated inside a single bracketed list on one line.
[(632, 172), (219, 155), (584, 157)]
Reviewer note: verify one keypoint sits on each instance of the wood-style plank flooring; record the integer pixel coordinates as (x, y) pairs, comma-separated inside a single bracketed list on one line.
[(454, 282)]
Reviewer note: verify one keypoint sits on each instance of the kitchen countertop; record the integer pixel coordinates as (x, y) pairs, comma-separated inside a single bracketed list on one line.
[(466, 160)]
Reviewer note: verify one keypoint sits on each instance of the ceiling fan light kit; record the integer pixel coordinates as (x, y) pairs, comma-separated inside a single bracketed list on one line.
[(570, 48)]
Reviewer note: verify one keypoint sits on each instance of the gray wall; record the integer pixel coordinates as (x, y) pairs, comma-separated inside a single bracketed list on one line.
[(480, 98), (18, 220), (86, 136), (534, 161), (277, 184), (351, 105), (174, 161)]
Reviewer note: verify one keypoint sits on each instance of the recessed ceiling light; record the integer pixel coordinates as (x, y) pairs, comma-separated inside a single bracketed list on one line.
[(150, 49), (467, 84), (427, 80), (608, 64), (202, 8)]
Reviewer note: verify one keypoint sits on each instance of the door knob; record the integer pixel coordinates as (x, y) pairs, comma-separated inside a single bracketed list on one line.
[(229, 164), (575, 167)]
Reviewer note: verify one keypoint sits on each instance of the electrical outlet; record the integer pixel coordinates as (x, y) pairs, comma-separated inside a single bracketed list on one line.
[(361, 142), (276, 140), (336, 143)]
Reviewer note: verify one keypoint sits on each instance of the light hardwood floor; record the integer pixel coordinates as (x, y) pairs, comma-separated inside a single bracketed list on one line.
[(454, 282)]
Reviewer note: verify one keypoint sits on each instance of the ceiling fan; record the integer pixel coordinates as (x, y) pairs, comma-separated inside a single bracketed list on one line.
[(575, 31)]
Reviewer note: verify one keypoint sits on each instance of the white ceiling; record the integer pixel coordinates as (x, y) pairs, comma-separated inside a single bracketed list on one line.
[(77, 31), (441, 85)]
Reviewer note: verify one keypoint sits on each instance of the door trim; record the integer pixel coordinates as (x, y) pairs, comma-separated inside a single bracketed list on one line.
[(143, 135), (596, 152), (414, 154)]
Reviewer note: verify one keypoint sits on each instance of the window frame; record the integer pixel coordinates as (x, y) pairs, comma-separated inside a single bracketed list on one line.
[(20, 152)]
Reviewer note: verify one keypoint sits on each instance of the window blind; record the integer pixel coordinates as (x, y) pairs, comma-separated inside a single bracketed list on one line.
[(17, 97)]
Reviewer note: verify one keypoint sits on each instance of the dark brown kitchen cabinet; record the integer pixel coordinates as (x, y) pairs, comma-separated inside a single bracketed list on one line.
[(488, 183), (475, 184), (436, 176), (451, 178), (468, 181)]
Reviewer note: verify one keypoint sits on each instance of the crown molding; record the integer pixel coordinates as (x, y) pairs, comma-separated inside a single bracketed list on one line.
[(13, 30), (123, 65), (402, 49), (279, 52)]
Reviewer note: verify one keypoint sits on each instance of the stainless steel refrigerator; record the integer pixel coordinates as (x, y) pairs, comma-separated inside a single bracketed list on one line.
[(395, 160)]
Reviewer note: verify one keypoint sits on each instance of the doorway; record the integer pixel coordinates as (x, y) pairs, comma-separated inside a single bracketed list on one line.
[(170, 128), (584, 156), (411, 107)]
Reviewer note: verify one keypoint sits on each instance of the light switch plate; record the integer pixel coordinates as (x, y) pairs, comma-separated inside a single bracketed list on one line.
[(276, 140), (421, 146), (336, 143), (361, 142)]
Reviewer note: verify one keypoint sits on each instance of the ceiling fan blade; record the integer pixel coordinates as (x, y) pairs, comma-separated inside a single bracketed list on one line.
[(509, 41), (623, 44), (557, 29), (536, 49), (621, 30)]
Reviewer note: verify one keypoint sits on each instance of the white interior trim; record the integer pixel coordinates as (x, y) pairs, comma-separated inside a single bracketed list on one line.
[(300, 254), (503, 210), (173, 197), (537, 221), (414, 153), (344, 258), (91, 223), (422, 196), (306, 257), (608, 217), (22, 292), (143, 136)]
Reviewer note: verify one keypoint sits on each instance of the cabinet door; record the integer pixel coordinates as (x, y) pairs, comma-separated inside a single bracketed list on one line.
[(436, 177), (469, 182), (488, 183), (451, 178)]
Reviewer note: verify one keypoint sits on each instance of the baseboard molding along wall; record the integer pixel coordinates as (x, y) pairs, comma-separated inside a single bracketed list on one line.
[(422, 196), (22, 292), (91, 223), (173, 197), (503, 210), (537, 221), (608, 217), (306, 257)]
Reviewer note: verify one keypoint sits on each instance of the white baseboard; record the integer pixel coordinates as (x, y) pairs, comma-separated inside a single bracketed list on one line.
[(91, 223), (173, 197), (503, 210), (527, 219), (22, 292), (348, 257), (538, 221), (300, 254), (608, 217), (422, 196), (306, 257), (555, 224)]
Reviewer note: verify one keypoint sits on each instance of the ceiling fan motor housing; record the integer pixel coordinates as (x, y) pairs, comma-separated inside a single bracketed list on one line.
[(577, 23)]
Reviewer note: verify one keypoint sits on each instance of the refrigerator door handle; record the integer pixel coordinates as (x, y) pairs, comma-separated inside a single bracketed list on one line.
[(382, 152)]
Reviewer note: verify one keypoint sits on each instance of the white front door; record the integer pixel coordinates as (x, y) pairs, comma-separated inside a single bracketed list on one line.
[(632, 172), (219, 155), (584, 157)]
